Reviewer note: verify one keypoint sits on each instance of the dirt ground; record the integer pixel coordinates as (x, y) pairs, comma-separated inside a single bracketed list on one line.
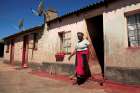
[(20, 81)]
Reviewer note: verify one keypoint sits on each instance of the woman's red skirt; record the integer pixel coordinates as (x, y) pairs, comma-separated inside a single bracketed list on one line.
[(82, 66)]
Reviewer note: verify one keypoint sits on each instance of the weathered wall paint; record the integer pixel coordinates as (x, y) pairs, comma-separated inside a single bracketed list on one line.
[(117, 52)]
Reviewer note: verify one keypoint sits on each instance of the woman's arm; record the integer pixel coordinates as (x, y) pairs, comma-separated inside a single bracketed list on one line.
[(73, 53)]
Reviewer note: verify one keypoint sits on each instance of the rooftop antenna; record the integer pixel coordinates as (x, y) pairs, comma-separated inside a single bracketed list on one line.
[(40, 10), (21, 24)]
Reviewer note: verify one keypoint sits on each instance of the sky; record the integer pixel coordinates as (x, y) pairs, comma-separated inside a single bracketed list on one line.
[(11, 11)]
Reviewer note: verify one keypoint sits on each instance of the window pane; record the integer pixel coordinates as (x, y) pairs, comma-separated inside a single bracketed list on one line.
[(131, 33), (138, 31), (138, 25), (66, 50), (69, 49), (138, 18), (131, 27), (132, 39), (64, 44), (134, 43), (131, 20)]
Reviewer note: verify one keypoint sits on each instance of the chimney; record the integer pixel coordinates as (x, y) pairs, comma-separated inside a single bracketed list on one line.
[(51, 14)]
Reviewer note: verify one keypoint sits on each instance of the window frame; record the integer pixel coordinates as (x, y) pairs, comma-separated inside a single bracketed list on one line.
[(63, 40), (136, 33)]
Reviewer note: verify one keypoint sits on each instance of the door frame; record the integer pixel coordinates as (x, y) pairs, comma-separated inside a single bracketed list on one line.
[(12, 43)]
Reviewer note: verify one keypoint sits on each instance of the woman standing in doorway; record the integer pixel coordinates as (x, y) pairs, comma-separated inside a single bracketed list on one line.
[(82, 71)]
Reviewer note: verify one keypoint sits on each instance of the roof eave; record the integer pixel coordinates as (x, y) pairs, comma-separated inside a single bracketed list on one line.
[(23, 32)]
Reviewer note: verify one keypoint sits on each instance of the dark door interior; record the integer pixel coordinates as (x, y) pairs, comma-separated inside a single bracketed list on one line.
[(1, 49), (95, 29)]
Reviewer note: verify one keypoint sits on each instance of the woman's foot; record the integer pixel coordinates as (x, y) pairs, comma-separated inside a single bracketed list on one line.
[(75, 83)]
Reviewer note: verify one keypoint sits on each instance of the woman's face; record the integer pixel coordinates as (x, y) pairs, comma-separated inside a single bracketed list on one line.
[(80, 36)]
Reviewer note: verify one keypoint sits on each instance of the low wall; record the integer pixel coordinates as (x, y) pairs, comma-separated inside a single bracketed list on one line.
[(123, 75), (58, 68), (52, 68)]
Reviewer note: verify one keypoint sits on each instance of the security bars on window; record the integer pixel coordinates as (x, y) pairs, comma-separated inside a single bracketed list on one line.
[(134, 30)]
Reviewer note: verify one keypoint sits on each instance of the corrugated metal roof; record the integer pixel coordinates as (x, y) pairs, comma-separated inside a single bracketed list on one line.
[(25, 31), (89, 7)]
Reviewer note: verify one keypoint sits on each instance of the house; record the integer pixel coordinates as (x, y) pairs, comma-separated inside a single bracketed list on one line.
[(23, 47), (111, 26)]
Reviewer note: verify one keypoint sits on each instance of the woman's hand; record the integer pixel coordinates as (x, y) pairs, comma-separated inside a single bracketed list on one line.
[(69, 57), (73, 53)]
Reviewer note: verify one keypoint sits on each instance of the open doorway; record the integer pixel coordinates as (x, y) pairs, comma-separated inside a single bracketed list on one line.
[(95, 30), (1, 49), (25, 52)]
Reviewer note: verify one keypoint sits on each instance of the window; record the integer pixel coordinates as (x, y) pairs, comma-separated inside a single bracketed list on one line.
[(7, 46), (35, 41), (133, 30), (65, 44)]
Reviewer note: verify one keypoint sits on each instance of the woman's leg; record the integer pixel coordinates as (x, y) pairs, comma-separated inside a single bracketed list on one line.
[(86, 66), (80, 80)]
